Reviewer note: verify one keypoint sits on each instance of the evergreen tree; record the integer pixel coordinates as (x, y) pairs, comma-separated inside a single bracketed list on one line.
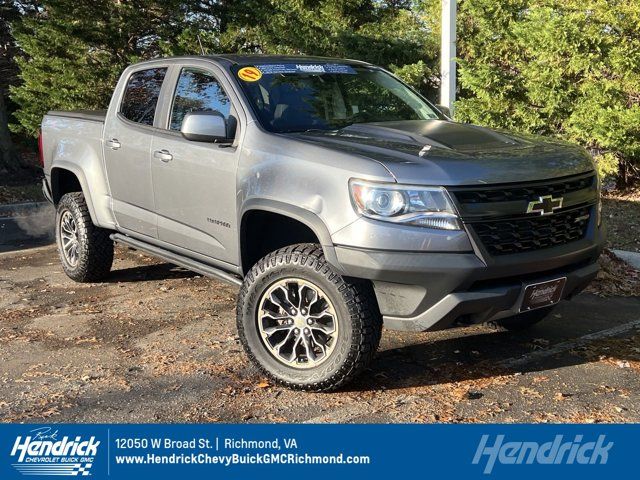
[(570, 69), (387, 33), (75, 51), (9, 11)]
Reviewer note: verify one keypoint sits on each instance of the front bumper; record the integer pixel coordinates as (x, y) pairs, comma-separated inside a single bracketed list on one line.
[(420, 291)]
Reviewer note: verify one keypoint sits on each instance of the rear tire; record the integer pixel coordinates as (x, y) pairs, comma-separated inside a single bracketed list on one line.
[(328, 328), (86, 251), (524, 320)]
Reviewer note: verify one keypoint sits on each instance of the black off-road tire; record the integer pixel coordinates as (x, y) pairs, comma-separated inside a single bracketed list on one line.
[(524, 320), (360, 322), (95, 248)]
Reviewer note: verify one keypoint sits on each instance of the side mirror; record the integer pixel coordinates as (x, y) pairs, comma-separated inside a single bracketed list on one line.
[(445, 110), (205, 127)]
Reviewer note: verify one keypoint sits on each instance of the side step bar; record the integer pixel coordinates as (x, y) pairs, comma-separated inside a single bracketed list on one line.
[(177, 259)]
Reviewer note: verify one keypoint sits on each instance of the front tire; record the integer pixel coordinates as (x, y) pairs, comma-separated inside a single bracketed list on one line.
[(303, 324), (86, 251)]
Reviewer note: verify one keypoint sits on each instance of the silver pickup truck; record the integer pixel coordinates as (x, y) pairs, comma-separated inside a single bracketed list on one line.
[(337, 197)]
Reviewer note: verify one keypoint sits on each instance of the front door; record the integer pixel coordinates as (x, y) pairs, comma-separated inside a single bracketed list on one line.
[(195, 182), (127, 143)]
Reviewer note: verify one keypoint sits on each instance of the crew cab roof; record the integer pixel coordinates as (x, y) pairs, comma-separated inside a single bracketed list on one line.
[(261, 59), (253, 59)]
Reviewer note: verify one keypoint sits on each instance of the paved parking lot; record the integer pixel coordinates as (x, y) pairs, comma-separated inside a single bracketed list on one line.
[(26, 225), (157, 343)]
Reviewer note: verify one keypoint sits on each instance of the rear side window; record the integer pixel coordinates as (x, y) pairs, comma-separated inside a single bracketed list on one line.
[(198, 91), (141, 95)]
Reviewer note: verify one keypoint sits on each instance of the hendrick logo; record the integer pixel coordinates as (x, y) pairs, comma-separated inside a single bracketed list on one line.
[(44, 452), (555, 452), (545, 205), (310, 68), (544, 294)]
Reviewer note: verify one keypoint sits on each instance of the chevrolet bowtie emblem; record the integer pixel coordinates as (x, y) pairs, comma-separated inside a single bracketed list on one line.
[(545, 205)]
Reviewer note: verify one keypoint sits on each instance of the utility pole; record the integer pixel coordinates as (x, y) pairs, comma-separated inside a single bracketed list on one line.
[(448, 55)]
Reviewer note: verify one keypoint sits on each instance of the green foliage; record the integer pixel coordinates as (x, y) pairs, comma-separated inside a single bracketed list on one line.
[(570, 69), (567, 68), (76, 49), (383, 33), (420, 75)]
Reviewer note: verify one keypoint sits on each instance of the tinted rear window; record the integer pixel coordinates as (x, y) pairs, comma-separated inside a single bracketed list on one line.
[(141, 95)]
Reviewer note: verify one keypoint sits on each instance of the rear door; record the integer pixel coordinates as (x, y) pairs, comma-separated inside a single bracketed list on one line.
[(195, 182), (129, 129)]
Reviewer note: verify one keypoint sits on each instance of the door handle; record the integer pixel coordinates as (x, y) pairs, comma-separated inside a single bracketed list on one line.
[(114, 144), (163, 155)]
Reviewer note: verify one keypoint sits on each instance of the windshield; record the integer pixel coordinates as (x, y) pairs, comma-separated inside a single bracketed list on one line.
[(299, 97)]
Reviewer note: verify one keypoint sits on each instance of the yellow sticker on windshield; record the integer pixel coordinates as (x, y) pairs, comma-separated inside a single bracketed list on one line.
[(249, 74)]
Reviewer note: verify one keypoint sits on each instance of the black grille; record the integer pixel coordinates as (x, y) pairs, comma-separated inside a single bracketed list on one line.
[(501, 237), (529, 192)]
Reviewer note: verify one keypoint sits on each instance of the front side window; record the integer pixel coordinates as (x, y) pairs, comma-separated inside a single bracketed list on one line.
[(198, 91), (297, 97), (141, 95)]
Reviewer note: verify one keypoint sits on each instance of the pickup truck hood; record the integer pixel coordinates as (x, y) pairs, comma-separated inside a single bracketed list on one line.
[(441, 152)]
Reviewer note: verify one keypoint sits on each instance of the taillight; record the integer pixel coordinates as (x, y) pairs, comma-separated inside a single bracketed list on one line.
[(40, 152)]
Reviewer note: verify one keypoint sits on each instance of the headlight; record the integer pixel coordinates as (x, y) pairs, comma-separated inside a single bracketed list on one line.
[(410, 205)]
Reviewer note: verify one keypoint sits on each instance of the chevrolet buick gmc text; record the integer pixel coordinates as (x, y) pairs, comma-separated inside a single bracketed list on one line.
[(337, 197)]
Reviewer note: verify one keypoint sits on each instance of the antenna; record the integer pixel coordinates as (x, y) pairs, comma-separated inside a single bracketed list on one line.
[(200, 43)]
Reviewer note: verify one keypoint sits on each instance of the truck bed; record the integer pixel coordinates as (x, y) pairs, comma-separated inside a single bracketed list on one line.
[(91, 115), (71, 141)]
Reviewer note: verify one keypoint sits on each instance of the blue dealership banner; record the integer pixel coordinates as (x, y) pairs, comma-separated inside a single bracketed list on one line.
[(340, 451)]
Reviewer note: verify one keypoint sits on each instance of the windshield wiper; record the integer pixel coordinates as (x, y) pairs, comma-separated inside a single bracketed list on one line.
[(331, 130)]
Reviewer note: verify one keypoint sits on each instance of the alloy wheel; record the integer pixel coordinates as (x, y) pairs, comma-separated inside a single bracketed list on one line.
[(69, 238), (297, 323)]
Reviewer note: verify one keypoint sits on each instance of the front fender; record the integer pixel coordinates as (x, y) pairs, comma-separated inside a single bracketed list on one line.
[(302, 215)]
